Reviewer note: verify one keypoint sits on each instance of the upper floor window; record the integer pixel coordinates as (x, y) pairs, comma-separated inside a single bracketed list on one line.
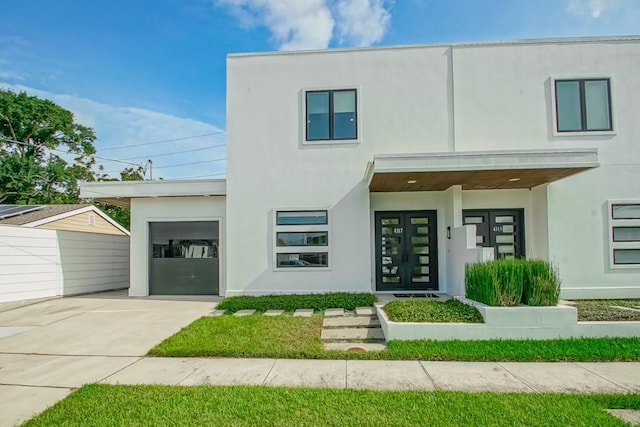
[(583, 105), (331, 114)]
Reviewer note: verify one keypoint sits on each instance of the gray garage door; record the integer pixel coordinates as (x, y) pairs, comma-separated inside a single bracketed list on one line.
[(184, 258)]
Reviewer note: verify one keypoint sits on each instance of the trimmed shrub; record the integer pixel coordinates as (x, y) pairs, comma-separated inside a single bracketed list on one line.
[(512, 282), (348, 301)]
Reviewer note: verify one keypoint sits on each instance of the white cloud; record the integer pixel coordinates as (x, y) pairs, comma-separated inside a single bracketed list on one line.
[(294, 24), (592, 9), (362, 22), (313, 24), (117, 126)]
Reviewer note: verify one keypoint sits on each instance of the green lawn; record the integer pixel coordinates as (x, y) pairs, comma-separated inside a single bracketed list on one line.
[(292, 302), (153, 405), (296, 337), (432, 311), (606, 310)]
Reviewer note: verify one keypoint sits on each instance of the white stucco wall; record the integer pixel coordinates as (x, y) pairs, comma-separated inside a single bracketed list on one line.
[(416, 100), (167, 209), (504, 100)]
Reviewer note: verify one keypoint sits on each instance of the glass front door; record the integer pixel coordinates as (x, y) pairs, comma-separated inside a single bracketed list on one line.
[(406, 251), (501, 229)]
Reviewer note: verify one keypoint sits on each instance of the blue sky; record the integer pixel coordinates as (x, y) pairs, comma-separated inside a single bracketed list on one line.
[(140, 72)]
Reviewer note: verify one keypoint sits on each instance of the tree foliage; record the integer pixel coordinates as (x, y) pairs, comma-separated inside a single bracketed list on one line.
[(38, 139), (45, 153)]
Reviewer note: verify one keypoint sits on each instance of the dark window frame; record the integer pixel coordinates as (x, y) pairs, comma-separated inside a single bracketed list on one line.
[(618, 227), (583, 104), (330, 93), (325, 232), (302, 262), (326, 218), (624, 250), (613, 215)]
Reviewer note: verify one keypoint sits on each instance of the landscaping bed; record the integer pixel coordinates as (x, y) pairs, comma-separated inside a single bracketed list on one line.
[(119, 405), (607, 310), (299, 338), (450, 311), (290, 303)]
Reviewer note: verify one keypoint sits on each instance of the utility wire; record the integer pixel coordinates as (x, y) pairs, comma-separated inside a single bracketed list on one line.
[(66, 152), (175, 152), (189, 164), (163, 141)]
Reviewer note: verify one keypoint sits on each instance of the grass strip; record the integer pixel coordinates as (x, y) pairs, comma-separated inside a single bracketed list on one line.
[(299, 338), (346, 300), (432, 311), (151, 405)]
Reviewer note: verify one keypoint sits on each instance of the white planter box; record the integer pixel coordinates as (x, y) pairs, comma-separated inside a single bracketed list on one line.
[(509, 323)]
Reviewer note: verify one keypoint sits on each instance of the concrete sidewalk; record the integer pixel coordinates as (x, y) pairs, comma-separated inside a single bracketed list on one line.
[(49, 349)]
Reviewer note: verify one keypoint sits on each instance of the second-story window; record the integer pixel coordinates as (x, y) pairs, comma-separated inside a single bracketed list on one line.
[(331, 115), (583, 105)]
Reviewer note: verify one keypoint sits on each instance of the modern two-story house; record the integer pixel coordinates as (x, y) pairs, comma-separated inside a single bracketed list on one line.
[(386, 169)]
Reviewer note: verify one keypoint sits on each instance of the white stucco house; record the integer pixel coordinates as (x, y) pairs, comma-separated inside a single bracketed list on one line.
[(385, 169)]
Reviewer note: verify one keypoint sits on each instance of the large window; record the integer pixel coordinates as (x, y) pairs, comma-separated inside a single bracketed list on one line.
[(583, 105), (301, 239), (624, 222), (331, 115)]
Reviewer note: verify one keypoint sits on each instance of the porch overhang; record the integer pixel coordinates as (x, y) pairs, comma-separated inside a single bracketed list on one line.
[(476, 170), (120, 193)]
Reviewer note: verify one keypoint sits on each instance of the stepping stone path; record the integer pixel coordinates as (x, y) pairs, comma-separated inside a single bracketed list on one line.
[(340, 330), (334, 312), (244, 312), (303, 312), (361, 332), (274, 312)]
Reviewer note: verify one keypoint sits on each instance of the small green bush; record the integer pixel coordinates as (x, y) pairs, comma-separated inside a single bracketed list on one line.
[(541, 284), (348, 301), (496, 283), (511, 282), (452, 311)]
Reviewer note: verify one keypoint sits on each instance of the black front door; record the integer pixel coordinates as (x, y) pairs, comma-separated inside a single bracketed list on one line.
[(501, 229), (406, 251)]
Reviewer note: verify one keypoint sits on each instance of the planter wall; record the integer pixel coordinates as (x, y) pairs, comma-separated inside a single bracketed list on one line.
[(509, 323)]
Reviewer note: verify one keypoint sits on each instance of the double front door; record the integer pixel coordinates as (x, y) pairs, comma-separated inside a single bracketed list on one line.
[(501, 229), (406, 251)]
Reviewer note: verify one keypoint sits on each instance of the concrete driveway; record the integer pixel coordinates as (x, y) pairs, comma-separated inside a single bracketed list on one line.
[(51, 347)]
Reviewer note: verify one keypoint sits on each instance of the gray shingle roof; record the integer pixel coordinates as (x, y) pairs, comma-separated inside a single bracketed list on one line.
[(46, 211)]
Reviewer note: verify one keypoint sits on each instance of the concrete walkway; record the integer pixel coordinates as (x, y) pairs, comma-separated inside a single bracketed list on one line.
[(49, 349)]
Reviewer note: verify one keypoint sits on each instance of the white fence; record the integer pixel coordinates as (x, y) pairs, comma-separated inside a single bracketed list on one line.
[(39, 263)]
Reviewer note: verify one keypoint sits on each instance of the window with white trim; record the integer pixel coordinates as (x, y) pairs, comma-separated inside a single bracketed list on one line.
[(624, 224), (301, 239), (331, 115), (583, 105)]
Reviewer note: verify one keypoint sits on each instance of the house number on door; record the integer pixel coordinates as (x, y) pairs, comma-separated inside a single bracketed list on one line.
[(497, 228), (397, 230)]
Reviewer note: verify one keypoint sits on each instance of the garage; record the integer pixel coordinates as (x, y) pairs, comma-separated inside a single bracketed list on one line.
[(184, 258)]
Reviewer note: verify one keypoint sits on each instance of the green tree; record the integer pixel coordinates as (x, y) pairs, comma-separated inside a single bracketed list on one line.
[(45, 153), (37, 139)]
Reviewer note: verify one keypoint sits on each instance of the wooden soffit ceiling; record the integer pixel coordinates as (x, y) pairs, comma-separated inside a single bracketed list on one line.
[(469, 180), (489, 170)]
